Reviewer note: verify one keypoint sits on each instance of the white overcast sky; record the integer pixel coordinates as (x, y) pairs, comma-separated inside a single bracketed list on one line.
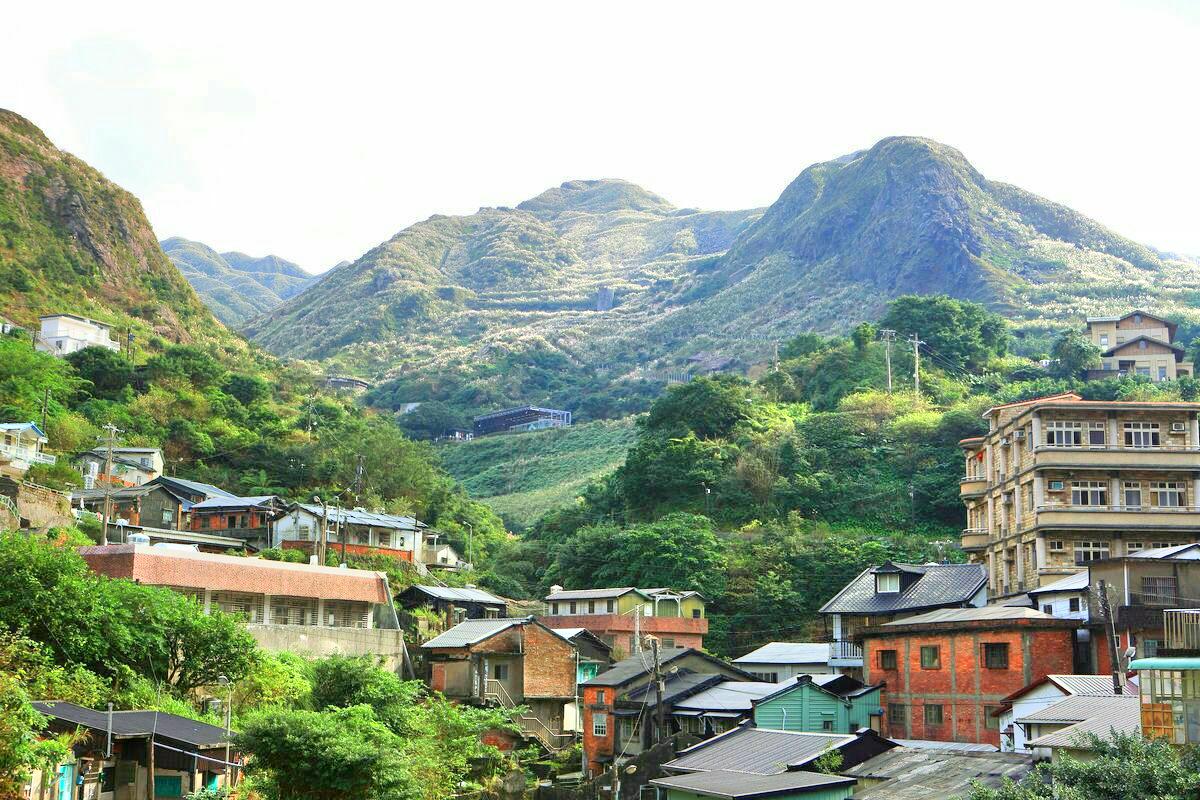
[(316, 131)]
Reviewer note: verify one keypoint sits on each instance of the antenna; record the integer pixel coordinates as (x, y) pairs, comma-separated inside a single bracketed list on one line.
[(889, 336)]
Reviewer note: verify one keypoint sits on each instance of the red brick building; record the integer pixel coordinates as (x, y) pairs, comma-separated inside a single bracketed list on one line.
[(676, 618), (948, 670), (510, 662)]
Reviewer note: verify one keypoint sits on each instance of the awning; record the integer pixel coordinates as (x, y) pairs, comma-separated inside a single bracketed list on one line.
[(723, 714), (1166, 662), (687, 713), (625, 712)]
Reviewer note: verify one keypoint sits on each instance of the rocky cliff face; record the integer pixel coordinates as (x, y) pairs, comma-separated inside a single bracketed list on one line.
[(71, 241)]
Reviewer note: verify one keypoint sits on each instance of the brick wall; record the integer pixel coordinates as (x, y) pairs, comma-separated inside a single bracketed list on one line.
[(618, 628), (965, 688), (596, 746), (549, 664)]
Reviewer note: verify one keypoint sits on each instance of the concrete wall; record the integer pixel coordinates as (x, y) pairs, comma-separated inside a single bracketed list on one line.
[(38, 508), (316, 642)]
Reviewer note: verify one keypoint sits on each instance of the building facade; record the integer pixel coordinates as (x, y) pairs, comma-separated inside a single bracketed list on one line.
[(1137, 344), (779, 661), (62, 334), (21, 446), (1059, 482), (1169, 682), (619, 616), (363, 532), (521, 418), (948, 671)]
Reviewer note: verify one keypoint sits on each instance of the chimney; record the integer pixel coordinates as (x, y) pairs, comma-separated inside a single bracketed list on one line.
[(555, 589)]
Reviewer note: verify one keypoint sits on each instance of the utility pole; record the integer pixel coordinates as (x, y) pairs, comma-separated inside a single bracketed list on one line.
[(109, 441), (45, 407), (661, 688), (889, 336), (323, 542), (916, 343), (776, 356), (1110, 633), (358, 476), (637, 629), (470, 544)]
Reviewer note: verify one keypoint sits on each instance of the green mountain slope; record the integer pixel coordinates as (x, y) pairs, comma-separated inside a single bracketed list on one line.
[(71, 241), (234, 285), (502, 306), (523, 476)]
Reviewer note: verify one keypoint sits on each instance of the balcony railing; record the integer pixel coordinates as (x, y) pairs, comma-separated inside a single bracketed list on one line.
[(845, 651), (1141, 509), (27, 454), (1182, 629)]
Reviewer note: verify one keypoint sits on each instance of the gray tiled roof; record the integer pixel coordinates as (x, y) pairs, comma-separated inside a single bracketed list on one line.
[(788, 653), (1121, 713), (135, 723), (972, 615), (938, 585), (590, 594), (634, 666), (906, 773), (756, 750), (470, 631), (728, 696), (738, 785)]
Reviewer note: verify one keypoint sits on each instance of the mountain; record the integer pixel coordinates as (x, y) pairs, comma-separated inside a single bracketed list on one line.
[(71, 241), (234, 285), (579, 293)]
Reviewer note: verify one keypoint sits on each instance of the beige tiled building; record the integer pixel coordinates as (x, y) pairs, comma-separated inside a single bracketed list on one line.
[(1137, 344), (1060, 481)]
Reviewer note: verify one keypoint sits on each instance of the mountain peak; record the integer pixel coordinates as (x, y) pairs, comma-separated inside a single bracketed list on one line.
[(596, 197)]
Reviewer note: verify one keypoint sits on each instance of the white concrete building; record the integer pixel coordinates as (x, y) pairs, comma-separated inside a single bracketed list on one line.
[(1066, 598), (1041, 694), (781, 661), (62, 334), (21, 446)]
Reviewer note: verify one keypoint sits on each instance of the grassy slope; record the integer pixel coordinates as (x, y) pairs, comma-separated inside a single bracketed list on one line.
[(522, 476)]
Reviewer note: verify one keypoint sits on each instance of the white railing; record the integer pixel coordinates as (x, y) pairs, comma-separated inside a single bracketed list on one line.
[(1182, 629), (27, 454), (1141, 509), (847, 651), (1157, 448), (494, 690)]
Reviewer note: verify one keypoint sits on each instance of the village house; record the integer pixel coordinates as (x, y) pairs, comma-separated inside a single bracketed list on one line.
[(453, 604), (947, 671), (304, 608), (733, 785), (131, 466), (618, 615), (152, 505), (891, 592), (152, 754), (1137, 344), (778, 661), (510, 663), (1047, 691), (63, 334), (755, 751), (249, 519), (1065, 598), (822, 703), (21, 446), (441, 555), (362, 532), (1169, 682), (619, 702), (1056, 729), (1059, 482), (593, 656), (521, 418)]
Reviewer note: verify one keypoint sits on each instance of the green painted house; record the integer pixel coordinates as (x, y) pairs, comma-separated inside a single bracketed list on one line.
[(820, 704), (730, 785)]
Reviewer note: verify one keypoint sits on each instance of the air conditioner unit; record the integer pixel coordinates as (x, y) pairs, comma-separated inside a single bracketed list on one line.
[(1056, 486), (1004, 442), (1019, 436), (1178, 427)]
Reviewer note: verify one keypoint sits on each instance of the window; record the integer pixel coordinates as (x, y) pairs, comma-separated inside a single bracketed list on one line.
[(1089, 493), (695, 613), (1104, 340), (1057, 545), (887, 583), (610, 606), (995, 655), (1056, 486), (599, 723), (1159, 590), (933, 715), (500, 672), (897, 712), (827, 725), (204, 522), (631, 730), (1064, 434), (491, 613), (1149, 648), (767, 677), (1166, 494), (991, 720), (600, 696), (1133, 494), (305, 533), (168, 516), (887, 659), (1141, 434), (554, 608), (1162, 373), (1096, 434), (668, 644), (591, 606), (1157, 545), (1086, 551), (1134, 547), (931, 656), (1048, 609), (572, 606), (1073, 605)]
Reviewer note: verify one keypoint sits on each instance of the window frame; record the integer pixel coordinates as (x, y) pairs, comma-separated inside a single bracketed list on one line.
[(1094, 492), (941, 714), (1063, 433), (600, 723), (991, 655), (897, 712), (1161, 489), (893, 579), (1096, 549), (936, 662), (886, 656), (497, 669), (1141, 435)]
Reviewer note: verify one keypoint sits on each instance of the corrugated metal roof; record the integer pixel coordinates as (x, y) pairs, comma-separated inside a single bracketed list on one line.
[(634, 666), (756, 750), (206, 489), (359, 516), (1189, 551), (233, 502), (728, 696), (934, 744), (971, 615), (1098, 685), (788, 653), (591, 594), (1072, 583), (938, 585), (471, 631), (452, 593), (737, 785), (1072, 708), (908, 773), (1120, 713), (136, 724)]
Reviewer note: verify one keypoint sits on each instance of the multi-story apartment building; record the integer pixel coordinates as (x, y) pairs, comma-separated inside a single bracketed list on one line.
[(1059, 482), (1137, 344), (62, 334)]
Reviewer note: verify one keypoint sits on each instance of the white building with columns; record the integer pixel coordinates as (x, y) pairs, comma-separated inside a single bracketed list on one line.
[(1059, 481)]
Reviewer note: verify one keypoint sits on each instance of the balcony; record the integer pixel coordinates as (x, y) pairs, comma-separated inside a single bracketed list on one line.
[(974, 539), (1182, 629), (1113, 457), (972, 486), (1180, 518), (27, 455), (845, 654)]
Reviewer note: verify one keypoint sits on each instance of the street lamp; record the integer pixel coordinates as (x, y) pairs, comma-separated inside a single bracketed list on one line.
[(224, 681)]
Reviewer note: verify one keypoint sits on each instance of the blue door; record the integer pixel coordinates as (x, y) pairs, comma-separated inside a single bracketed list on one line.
[(66, 782)]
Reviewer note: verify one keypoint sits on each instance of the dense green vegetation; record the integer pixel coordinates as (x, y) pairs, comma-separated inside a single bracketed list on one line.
[(523, 476), (334, 727)]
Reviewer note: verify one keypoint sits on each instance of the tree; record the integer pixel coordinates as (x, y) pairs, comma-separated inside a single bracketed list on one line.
[(187, 362), (862, 336), (429, 420), (959, 334), (345, 681), (108, 371), (248, 389), (708, 406), (21, 751), (1072, 354), (1124, 765)]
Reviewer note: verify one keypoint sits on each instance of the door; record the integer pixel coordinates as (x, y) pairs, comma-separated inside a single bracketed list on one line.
[(66, 782)]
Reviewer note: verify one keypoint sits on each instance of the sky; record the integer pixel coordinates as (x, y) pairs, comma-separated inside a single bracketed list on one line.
[(316, 131)]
